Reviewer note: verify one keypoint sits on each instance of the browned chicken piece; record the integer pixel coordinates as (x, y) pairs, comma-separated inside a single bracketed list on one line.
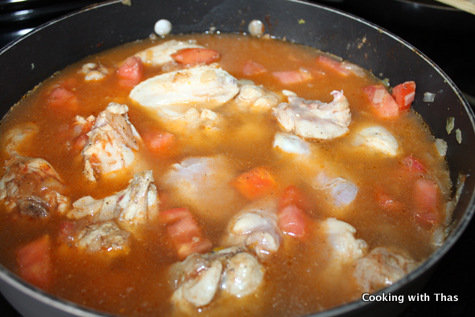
[(33, 186), (134, 205), (314, 119), (255, 227), (381, 268), (102, 237), (200, 277), (112, 143)]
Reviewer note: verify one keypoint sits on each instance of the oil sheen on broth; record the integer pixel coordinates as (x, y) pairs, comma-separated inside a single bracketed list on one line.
[(217, 174)]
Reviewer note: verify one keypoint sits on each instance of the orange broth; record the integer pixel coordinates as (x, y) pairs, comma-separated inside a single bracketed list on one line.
[(137, 284)]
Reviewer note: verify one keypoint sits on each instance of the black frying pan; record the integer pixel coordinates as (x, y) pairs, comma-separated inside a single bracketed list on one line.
[(55, 45)]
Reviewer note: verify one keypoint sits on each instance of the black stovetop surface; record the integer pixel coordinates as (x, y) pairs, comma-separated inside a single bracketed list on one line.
[(450, 45)]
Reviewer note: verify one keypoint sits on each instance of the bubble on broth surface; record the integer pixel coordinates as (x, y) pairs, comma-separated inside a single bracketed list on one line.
[(256, 28), (163, 27)]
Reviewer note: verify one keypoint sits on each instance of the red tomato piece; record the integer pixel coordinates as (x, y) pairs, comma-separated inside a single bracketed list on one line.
[(172, 215), (426, 196), (292, 76), (413, 165), (184, 232), (130, 73), (34, 262), (198, 245), (387, 202), (333, 64), (80, 142), (63, 99), (255, 183), (66, 231), (404, 94), (382, 102), (196, 56), (161, 143), (252, 68), (292, 195), (293, 221)]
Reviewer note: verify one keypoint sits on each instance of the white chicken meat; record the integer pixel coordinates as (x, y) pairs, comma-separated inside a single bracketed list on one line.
[(344, 247), (382, 267), (162, 53), (197, 181), (14, 138), (111, 144), (172, 93), (314, 119), (134, 205), (340, 191), (291, 144), (253, 98), (200, 277), (102, 237), (255, 227), (377, 138), (32, 185)]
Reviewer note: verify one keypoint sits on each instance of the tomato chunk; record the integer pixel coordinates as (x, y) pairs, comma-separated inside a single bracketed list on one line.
[(292, 195), (184, 232), (34, 262), (404, 94), (386, 201), (161, 143), (63, 99), (293, 221), (426, 196), (292, 76), (252, 68), (130, 73), (333, 64), (196, 56), (255, 183), (413, 165), (381, 102)]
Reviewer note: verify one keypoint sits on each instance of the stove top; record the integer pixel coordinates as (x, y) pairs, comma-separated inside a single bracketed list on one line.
[(440, 32)]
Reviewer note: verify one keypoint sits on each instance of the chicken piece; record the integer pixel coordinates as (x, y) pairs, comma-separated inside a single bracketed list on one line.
[(315, 119), (378, 139), (162, 53), (32, 185), (191, 121), (308, 159), (202, 87), (200, 277), (200, 285), (132, 206), (197, 181), (340, 191), (255, 227), (111, 144), (242, 276), (102, 237), (382, 267), (255, 98), (291, 144), (344, 247), (94, 72), (15, 137)]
